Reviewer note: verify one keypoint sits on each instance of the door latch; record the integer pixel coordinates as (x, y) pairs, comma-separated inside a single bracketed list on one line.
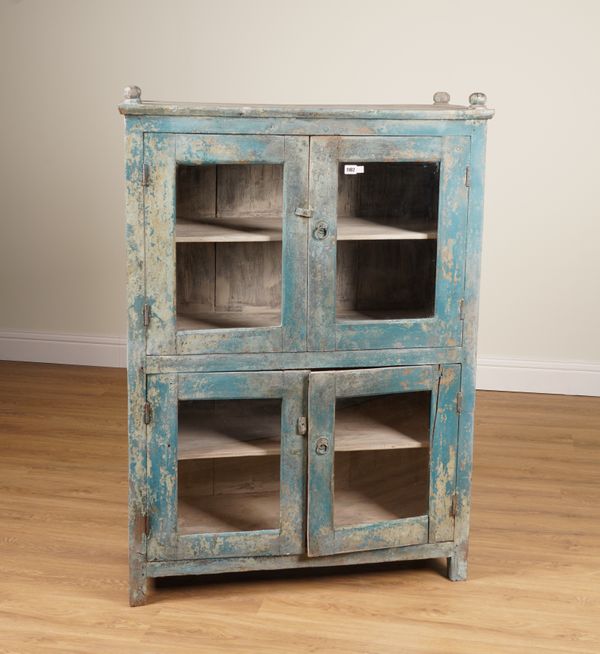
[(304, 212), (301, 425)]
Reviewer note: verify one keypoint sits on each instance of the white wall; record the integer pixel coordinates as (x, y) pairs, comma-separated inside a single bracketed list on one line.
[(63, 65)]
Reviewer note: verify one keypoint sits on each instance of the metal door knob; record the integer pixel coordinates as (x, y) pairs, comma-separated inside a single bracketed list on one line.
[(321, 230), (322, 446)]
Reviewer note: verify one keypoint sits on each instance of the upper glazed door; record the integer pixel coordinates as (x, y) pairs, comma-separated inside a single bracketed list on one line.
[(226, 243), (387, 241)]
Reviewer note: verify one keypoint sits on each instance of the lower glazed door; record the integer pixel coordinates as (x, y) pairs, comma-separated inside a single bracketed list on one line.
[(226, 465), (381, 457)]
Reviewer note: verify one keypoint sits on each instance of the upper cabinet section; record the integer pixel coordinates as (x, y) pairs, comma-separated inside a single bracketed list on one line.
[(324, 229), (288, 243)]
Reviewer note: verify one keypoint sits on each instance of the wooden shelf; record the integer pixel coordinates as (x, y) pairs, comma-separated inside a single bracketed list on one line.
[(379, 424), (269, 228), (228, 319), (250, 511), (379, 229), (345, 315), (241, 229), (208, 434), (241, 319)]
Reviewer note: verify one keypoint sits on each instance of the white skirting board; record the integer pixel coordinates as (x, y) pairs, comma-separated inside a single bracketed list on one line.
[(75, 349), (563, 378)]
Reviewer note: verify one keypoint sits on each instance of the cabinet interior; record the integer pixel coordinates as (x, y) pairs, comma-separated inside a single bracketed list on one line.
[(228, 245), (229, 461), (387, 268), (228, 465), (381, 465)]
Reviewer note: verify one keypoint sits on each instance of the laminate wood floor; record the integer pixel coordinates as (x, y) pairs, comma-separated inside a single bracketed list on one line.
[(535, 548)]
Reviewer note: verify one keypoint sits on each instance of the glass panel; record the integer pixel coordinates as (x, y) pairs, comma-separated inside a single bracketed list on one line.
[(228, 234), (386, 240), (228, 465), (381, 458)]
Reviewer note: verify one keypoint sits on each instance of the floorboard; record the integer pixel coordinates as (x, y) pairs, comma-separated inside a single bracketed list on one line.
[(534, 564)]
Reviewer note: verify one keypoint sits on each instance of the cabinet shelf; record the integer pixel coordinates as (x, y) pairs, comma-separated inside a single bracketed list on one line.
[(250, 511), (244, 229), (227, 319), (206, 435)]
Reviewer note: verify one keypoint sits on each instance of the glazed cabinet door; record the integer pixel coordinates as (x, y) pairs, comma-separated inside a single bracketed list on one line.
[(387, 241), (381, 457), (226, 240), (226, 465)]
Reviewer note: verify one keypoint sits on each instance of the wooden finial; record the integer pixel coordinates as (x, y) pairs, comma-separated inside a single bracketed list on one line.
[(441, 97), (133, 94), (477, 99)]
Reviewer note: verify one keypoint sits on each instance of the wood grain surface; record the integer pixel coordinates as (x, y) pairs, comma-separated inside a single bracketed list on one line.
[(534, 565)]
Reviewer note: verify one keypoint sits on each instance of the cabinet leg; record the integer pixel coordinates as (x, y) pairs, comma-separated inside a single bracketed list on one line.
[(457, 566), (138, 584)]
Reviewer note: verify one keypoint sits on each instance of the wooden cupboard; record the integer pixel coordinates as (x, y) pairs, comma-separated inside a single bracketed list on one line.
[(302, 328)]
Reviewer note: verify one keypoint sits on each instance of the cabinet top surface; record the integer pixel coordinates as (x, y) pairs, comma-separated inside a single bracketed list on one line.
[(439, 110)]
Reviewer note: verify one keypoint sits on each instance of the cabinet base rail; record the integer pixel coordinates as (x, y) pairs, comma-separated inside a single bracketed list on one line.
[(246, 564)]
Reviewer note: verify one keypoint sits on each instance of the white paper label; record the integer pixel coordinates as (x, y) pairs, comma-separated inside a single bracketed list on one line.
[(351, 169)]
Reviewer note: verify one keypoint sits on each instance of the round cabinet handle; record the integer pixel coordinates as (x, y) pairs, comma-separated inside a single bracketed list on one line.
[(322, 446), (321, 230)]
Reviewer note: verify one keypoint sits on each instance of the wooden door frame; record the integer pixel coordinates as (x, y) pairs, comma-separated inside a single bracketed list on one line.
[(162, 154), (164, 543), (438, 524), (444, 328)]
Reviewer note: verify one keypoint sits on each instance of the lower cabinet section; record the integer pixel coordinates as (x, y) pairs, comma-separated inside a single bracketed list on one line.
[(300, 463)]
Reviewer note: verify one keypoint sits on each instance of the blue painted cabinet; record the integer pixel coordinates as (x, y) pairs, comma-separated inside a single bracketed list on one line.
[(302, 328)]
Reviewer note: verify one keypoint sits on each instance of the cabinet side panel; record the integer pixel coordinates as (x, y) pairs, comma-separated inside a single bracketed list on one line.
[(458, 562), (136, 384)]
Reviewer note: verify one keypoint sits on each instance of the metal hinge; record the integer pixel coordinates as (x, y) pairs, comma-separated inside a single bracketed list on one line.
[(147, 413), (459, 401), (301, 425), (304, 213), (454, 506), (145, 175), (461, 308), (468, 177), (146, 315)]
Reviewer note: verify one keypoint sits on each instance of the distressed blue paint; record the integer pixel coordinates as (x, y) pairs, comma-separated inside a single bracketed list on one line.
[(164, 391), (136, 379), (226, 149), (381, 381), (240, 340), (292, 497), (159, 227), (208, 364), (444, 329), (299, 126), (442, 469), (241, 564), (162, 467), (230, 385), (325, 387), (297, 360), (163, 153), (457, 563), (321, 421)]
